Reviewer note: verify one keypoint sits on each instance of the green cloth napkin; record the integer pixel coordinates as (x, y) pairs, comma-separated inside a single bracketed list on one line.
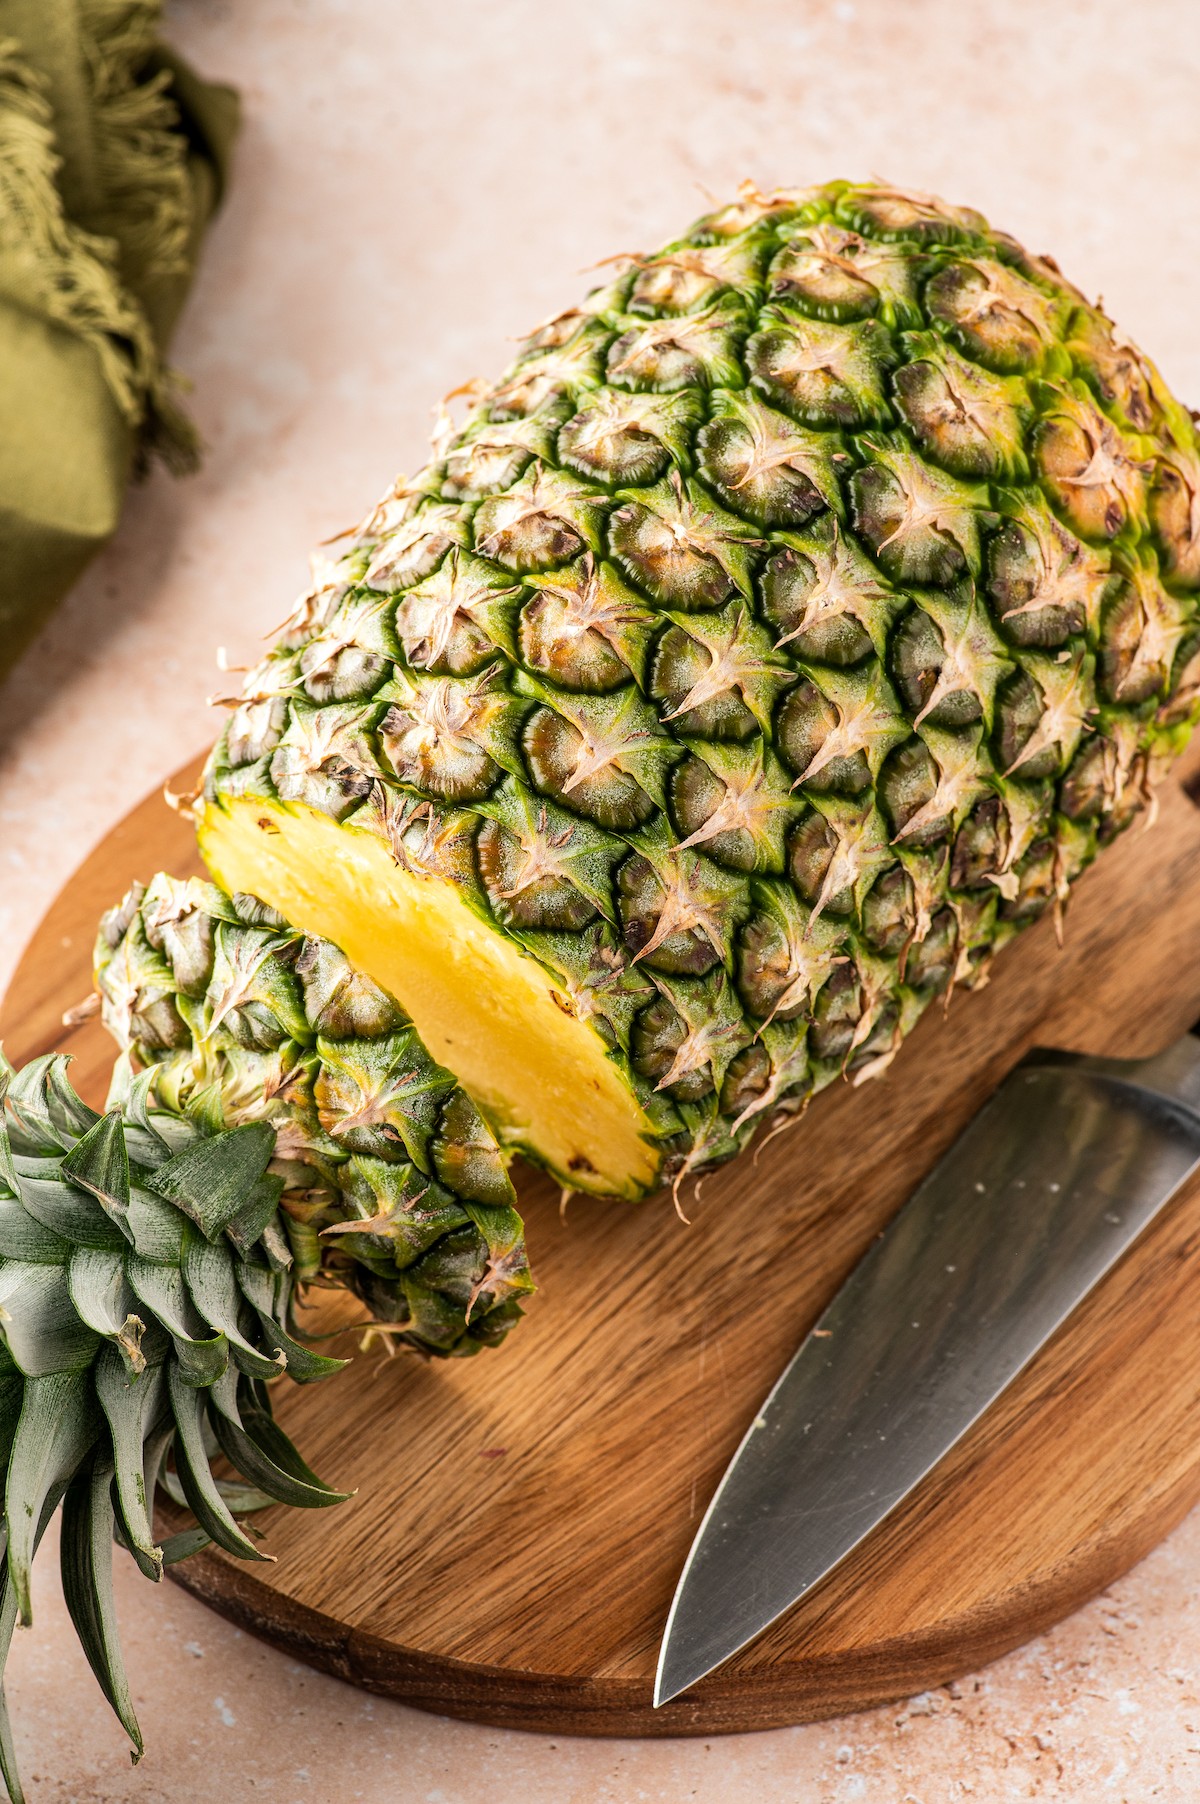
[(113, 157)]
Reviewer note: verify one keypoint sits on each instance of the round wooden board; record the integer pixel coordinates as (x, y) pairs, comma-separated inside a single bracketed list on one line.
[(521, 1518)]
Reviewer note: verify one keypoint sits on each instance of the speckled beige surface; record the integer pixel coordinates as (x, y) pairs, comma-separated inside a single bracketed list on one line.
[(420, 182)]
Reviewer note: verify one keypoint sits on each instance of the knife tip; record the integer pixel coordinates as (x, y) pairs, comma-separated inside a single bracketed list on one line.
[(671, 1678), (664, 1690)]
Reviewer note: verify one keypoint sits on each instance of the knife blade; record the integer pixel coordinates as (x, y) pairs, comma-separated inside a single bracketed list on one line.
[(1052, 1181)]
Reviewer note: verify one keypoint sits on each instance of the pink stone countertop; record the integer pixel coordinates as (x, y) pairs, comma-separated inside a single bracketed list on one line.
[(418, 184)]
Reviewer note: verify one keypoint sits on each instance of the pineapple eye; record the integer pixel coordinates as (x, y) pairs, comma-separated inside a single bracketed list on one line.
[(680, 663), (432, 742), (890, 213), (1175, 515), (696, 350), (361, 1101), (889, 916), (810, 854), (644, 901), (922, 525), (979, 846), (765, 973), (451, 622), (523, 884), (340, 1001), (523, 540), (556, 640), (1016, 582), (998, 318), (556, 332), (414, 549), (1020, 705), (674, 284), (1084, 790), (629, 439), (968, 423), (824, 375), (478, 469), (1089, 472), (752, 472), (907, 783), (918, 653), (931, 962), (543, 521), (563, 765), (608, 449), (440, 639), (658, 1033), (640, 358), (322, 777), (879, 1040), (337, 672), (467, 1159), (1115, 372), (255, 729), (748, 1078), (815, 621), (823, 277), (836, 1016), (1036, 884), (696, 795), (805, 721), (668, 561), (1141, 631)]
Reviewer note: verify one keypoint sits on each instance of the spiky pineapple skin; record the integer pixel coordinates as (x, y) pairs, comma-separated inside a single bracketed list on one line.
[(786, 630), (241, 1018)]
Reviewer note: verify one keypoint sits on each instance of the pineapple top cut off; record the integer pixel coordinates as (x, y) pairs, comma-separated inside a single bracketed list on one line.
[(386, 1178), (786, 629), (285, 1129), (146, 1304)]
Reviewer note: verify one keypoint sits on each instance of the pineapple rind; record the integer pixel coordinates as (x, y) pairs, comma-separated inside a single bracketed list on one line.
[(841, 551)]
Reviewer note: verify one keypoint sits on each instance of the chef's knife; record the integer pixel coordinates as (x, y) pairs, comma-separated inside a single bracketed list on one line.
[(1039, 1197)]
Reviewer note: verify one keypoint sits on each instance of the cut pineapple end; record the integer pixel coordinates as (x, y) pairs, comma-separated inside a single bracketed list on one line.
[(486, 1011)]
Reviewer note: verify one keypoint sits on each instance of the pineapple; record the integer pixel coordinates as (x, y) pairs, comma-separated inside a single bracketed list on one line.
[(781, 634), (287, 1126)]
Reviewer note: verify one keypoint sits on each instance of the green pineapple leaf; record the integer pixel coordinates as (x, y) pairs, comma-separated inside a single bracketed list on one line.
[(86, 1549), (212, 1180), (100, 1163)]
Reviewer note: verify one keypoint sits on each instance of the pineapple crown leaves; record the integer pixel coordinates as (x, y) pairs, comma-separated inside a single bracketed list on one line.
[(144, 1296)]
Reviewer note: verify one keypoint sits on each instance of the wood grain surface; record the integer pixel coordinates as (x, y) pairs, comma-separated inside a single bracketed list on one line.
[(521, 1517)]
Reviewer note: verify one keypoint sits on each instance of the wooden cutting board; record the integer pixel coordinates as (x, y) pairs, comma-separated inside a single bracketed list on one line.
[(521, 1517)]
